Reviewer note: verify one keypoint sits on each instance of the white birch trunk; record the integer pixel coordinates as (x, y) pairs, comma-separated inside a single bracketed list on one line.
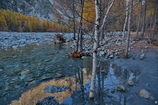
[(129, 29), (92, 86), (127, 13), (96, 41)]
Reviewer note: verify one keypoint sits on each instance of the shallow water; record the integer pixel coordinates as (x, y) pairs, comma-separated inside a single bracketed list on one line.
[(26, 71), (28, 66), (107, 79)]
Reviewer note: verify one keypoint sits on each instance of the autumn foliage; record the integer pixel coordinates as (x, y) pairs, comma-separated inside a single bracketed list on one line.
[(14, 21), (76, 54)]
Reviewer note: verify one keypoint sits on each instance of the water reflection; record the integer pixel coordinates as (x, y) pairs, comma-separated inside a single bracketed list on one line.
[(108, 76), (28, 66)]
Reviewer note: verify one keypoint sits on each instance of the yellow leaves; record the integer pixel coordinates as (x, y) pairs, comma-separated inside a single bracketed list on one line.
[(17, 22), (3, 24), (88, 13)]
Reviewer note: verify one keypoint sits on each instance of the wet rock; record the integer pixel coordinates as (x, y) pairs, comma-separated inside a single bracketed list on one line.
[(26, 72), (28, 79), (58, 75), (112, 90), (1, 69), (102, 53), (46, 77), (146, 47), (86, 57), (7, 88), (121, 88), (15, 79), (55, 89), (145, 94), (142, 56), (23, 77), (33, 83), (1, 85), (48, 101), (111, 56), (131, 82)]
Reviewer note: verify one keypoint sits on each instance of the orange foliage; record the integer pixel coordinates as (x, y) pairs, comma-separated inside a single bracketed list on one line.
[(76, 54)]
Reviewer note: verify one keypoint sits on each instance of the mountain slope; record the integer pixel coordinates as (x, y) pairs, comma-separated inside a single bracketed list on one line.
[(38, 8)]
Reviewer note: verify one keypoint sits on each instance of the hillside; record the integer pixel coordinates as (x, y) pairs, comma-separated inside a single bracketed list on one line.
[(38, 8)]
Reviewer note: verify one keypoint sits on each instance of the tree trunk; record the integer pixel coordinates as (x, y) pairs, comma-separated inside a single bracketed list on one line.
[(97, 23), (144, 19), (138, 25), (80, 29), (126, 19), (96, 42), (74, 26), (129, 27)]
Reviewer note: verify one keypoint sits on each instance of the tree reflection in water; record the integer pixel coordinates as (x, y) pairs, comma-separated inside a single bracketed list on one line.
[(108, 76)]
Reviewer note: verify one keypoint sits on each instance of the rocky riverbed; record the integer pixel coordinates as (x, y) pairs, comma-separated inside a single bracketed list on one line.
[(28, 66), (15, 39)]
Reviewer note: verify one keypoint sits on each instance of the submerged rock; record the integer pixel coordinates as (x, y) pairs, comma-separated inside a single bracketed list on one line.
[(145, 94), (48, 101), (26, 72), (121, 88), (142, 56), (131, 82), (55, 89)]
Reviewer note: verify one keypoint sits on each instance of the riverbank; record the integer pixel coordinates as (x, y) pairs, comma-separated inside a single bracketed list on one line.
[(19, 39)]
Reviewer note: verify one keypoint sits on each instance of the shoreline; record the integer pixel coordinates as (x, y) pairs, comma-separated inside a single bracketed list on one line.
[(19, 39)]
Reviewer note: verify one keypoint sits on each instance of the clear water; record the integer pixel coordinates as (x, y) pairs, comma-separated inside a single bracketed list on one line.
[(44, 62)]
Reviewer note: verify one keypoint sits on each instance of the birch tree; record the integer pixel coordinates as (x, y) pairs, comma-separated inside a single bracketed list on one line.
[(126, 19), (129, 28), (98, 29)]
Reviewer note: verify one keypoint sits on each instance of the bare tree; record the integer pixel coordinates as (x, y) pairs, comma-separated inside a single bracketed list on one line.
[(129, 28)]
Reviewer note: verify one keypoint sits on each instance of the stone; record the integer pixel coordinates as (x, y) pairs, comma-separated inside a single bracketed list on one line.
[(33, 83), (48, 101), (146, 47), (58, 75), (121, 88), (131, 82), (46, 77), (22, 77), (142, 56), (26, 72), (55, 89), (111, 56), (112, 90), (1, 69), (145, 94), (102, 53)]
